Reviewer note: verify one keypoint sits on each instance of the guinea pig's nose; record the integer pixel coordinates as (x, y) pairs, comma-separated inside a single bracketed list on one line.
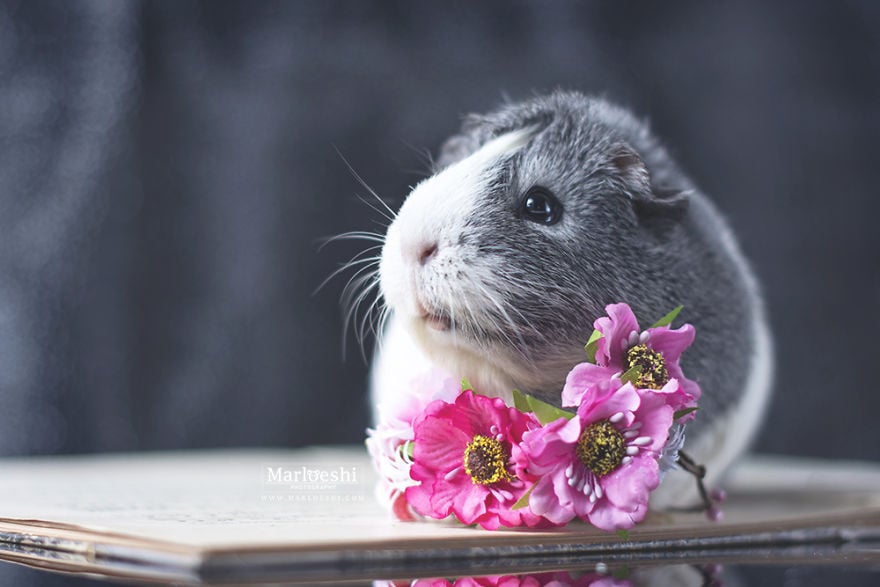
[(426, 252)]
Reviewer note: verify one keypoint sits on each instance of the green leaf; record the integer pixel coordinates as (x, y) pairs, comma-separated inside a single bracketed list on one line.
[(592, 345), (521, 402), (623, 535), (466, 385), (632, 376), (524, 500), (683, 412), (623, 572), (408, 448), (668, 318), (545, 412)]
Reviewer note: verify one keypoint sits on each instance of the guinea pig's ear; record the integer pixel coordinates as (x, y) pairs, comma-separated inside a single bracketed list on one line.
[(474, 133), (649, 202), (477, 130)]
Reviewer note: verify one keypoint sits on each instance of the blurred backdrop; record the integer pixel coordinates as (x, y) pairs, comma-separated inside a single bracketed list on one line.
[(167, 170)]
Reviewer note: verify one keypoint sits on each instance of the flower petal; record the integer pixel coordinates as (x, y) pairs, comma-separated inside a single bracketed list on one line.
[(550, 445), (439, 444), (692, 391), (420, 497), (631, 484), (581, 379), (624, 398), (671, 343), (470, 503), (609, 517), (544, 502), (617, 326), (400, 507), (655, 414)]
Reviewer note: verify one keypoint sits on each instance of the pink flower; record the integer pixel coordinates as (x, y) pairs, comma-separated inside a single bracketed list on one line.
[(563, 579), (488, 581), (624, 345), (601, 465), (467, 461), (556, 579), (390, 442)]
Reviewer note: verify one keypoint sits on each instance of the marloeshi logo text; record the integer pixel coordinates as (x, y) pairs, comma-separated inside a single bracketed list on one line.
[(310, 475)]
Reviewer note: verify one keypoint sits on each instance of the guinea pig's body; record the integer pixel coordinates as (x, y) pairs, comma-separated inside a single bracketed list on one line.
[(538, 216)]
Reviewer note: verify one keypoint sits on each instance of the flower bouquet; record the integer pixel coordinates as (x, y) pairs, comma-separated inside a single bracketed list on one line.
[(451, 451)]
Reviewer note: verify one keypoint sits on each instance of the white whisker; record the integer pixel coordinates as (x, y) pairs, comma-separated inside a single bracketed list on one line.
[(365, 186), (523, 348), (366, 324), (427, 159), (376, 209), (364, 280), (363, 285), (352, 235), (350, 264)]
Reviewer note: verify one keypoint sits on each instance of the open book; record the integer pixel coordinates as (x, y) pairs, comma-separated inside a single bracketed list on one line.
[(255, 516)]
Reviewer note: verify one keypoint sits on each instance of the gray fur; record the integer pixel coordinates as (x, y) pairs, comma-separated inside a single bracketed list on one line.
[(635, 230)]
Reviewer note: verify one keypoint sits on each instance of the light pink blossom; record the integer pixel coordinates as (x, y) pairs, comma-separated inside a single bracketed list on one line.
[(622, 345), (390, 442), (601, 465)]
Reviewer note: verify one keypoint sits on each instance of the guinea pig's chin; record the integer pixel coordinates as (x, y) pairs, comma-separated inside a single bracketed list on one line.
[(455, 353), (436, 334), (437, 322), (406, 302)]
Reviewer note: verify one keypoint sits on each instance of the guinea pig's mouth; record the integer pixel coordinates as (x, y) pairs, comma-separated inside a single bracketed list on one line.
[(435, 320)]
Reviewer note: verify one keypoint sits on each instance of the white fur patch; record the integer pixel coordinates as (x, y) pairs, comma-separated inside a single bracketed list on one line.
[(397, 363), (435, 214)]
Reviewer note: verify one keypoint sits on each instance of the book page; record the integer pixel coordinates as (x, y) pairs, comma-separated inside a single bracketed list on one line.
[(306, 497), (201, 498), (266, 515)]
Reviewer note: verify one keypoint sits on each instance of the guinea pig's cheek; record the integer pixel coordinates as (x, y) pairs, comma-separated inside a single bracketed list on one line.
[(420, 265), (391, 274), (397, 280)]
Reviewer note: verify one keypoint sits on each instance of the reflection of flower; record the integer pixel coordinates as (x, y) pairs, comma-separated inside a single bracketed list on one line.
[(468, 462), (623, 346), (557, 579), (390, 442), (601, 465)]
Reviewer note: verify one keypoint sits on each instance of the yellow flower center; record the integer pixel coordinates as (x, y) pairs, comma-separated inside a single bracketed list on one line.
[(601, 447), (653, 373), (485, 460)]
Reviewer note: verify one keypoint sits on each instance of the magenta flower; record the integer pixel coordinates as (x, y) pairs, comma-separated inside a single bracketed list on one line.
[(623, 345), (468, 462), (555, 579), (561, 579), (601, 465)]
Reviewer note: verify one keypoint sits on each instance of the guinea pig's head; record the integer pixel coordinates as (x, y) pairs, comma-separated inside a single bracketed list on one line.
[(539, 215)]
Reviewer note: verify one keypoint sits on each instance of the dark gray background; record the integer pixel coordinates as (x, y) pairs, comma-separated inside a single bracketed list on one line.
[(167, 170)]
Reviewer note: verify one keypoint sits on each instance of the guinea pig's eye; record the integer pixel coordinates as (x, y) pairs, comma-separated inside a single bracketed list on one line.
[(541, 206)]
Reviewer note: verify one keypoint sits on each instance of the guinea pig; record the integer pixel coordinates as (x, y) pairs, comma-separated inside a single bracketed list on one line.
[(537, 216)]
